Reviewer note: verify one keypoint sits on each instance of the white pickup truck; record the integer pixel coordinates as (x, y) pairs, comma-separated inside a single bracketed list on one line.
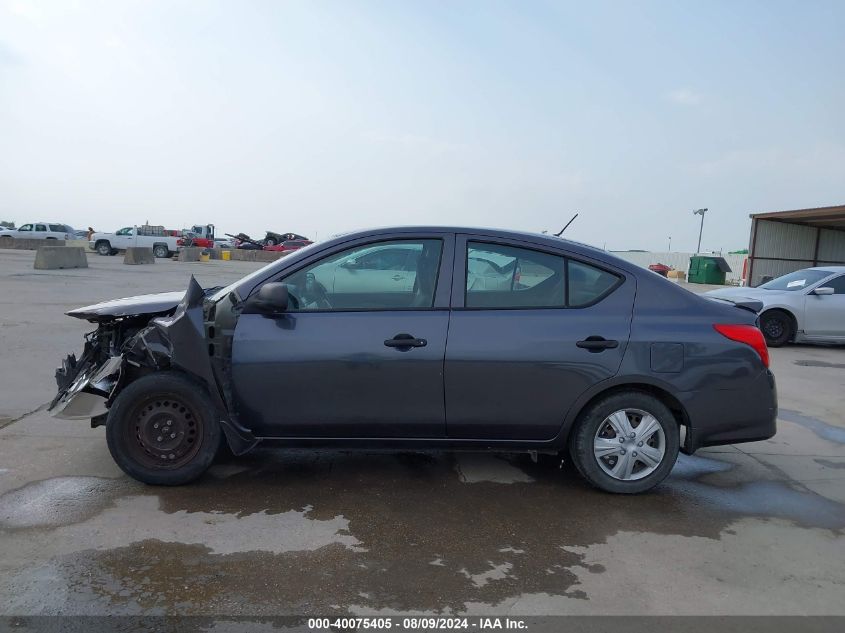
[(157, 238)]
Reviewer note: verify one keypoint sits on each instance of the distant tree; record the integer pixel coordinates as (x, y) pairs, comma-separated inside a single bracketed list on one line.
[(7, 225)]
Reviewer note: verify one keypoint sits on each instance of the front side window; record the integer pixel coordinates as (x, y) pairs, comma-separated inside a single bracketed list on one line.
[(26, 227), (385, 276), (501, 276), (125, 231), (837, 284)]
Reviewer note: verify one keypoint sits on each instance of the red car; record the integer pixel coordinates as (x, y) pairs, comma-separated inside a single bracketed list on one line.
[(288, 246)]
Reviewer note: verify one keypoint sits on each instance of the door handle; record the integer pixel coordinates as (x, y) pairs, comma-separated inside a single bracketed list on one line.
[(405, 340), (397, 277), (597, 344)]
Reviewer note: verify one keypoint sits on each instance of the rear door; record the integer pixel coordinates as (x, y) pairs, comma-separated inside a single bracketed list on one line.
[(824, 315), (523, 349), (40, 232)]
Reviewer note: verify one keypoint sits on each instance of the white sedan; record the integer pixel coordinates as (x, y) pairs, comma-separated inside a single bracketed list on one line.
[(805, 306)]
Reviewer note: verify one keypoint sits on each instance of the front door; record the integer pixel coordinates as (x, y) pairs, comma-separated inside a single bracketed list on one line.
[(363, 359), (530, 332), (824, 315)]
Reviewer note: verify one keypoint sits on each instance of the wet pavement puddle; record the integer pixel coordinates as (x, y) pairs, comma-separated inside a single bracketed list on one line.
[(301, 531)]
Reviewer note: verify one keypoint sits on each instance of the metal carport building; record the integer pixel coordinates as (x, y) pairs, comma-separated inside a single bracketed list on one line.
[(783, 241)]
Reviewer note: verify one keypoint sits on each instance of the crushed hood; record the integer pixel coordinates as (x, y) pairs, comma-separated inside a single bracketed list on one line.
[(140, 305)]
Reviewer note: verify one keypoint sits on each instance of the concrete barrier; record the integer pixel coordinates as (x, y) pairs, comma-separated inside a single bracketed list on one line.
[(27, 245), (189, 254), (139, 255), (60, 257), (255, 256), (34, 245)]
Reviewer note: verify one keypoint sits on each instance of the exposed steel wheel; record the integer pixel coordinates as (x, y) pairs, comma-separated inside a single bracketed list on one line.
[(166, 433), (163, 429)]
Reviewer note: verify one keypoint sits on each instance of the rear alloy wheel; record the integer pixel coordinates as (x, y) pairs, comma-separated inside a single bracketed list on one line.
[(161, 251), (163, 430), (626, 443), (777, 327)]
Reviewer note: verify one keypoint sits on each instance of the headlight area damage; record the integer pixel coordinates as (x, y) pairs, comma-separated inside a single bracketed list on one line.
[(135, 337)]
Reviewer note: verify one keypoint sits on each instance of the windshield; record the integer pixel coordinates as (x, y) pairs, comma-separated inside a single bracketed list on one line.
[(799, 280)]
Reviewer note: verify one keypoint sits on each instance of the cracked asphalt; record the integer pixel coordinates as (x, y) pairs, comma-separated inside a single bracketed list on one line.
[(754, 529)]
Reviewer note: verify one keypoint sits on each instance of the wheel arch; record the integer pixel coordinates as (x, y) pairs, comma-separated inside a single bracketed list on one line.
[(661, 392)]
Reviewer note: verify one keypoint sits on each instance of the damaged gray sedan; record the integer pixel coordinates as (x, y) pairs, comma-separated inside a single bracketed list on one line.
[(387, 339)]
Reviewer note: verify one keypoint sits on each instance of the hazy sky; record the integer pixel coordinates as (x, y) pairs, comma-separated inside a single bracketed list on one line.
[(321, 117)]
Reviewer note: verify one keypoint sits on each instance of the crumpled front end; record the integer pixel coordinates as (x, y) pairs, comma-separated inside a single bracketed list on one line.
[(126, 345)]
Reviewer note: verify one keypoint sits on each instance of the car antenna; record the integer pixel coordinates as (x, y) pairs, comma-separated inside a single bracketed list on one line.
[(567, 226)]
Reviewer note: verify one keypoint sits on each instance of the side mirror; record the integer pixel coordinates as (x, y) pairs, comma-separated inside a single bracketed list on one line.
[(271, 299), (824, 290), (351, 264)]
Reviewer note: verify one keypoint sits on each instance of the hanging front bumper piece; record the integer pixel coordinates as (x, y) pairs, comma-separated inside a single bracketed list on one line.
[(85, 387)]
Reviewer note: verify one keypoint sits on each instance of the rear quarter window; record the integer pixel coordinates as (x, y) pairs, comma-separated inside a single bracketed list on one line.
[(588, 284)]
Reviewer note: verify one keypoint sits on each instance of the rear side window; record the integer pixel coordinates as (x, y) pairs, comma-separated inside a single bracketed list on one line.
[(57, 228), (40, 227), (588, 284), (500, 276)]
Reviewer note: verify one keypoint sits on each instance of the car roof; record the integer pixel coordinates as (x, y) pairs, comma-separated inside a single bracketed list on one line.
[(833, 269), (540, 238)]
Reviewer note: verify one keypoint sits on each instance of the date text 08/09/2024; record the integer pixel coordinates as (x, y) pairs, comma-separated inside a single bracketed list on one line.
[(417, 623)]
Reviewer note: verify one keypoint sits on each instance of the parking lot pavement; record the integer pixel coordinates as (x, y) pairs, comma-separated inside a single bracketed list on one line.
[(749, 529)]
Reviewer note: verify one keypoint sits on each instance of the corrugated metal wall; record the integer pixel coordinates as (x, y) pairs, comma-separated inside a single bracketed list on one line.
[(832, 246), (779, 248), (680, 261)]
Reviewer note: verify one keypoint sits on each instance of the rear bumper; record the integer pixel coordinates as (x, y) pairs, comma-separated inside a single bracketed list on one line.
[(732, 416)]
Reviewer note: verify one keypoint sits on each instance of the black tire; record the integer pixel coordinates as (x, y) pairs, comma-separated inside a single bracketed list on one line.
[(270, 241), (176, 403), (777, 327), (591, 425), (161, 251), (104, 248)]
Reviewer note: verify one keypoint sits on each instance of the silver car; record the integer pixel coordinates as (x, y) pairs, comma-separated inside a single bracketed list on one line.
[(805, 306)]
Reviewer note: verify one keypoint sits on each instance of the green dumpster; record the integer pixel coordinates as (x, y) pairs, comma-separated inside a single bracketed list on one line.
[(707, 269)]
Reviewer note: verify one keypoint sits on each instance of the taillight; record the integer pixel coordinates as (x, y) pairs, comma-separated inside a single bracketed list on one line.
[(748, 334)]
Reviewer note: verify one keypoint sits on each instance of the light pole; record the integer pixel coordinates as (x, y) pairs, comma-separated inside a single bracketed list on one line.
[(700, 212), (670, 244)]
